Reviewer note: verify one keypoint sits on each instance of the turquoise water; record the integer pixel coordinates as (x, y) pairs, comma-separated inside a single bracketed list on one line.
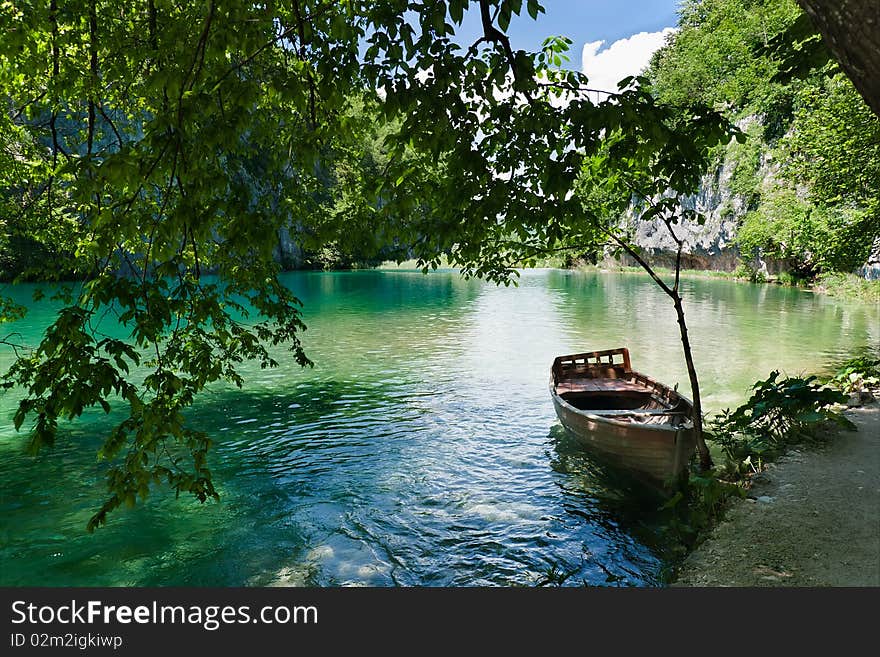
[(422, 449)]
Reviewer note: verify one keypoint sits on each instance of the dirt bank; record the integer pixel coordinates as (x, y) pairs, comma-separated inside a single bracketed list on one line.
[(813, 519)]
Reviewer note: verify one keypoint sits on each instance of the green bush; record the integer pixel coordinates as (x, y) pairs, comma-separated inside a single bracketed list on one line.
[(849, 286), (745, 157), (747, 272), (696, 507), (780, 412), (857, 374), (791, 279)]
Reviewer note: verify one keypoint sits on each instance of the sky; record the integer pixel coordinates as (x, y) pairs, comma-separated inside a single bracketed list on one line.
[(612, 39)]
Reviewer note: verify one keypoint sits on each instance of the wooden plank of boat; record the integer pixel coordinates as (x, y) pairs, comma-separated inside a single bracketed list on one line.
[(629, 418)]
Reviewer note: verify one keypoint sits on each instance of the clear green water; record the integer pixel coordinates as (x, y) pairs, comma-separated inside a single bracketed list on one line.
[(422, 449)]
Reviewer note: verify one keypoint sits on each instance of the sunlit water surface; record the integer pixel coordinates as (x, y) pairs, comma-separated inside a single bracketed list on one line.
[(422, 449)]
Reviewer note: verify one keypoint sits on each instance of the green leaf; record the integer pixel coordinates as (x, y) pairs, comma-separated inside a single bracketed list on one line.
[(504, 15), (456, 11), (534, 8)]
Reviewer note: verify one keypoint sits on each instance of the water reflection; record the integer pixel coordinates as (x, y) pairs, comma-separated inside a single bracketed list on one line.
[(421, 450), (739, 332)]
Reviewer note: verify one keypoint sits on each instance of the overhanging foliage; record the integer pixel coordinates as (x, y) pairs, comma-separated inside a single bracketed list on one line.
[(157, 142)]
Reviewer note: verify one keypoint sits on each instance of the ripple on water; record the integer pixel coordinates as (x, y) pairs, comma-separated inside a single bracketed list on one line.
[(422, 449)]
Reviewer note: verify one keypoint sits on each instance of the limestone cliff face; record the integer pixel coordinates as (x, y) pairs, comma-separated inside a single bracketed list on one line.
[(713, 245), (710, 246), (871, 269), (288, 253)]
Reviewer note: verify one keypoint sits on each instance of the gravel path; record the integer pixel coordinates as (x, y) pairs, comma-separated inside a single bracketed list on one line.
[(813, 519)]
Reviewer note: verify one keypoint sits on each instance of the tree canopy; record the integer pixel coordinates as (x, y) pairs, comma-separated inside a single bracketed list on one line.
[(161, 146), (808, 170)]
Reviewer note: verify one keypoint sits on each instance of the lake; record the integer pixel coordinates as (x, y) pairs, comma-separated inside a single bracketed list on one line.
[(422, 449)]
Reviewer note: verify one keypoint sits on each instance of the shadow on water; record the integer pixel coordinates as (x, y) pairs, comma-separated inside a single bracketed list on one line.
[(418, 452), (597, 479), (327, 482), (279, 466), (607, 496)]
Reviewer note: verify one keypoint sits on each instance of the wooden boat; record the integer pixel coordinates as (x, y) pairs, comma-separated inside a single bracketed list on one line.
[(626, 417)]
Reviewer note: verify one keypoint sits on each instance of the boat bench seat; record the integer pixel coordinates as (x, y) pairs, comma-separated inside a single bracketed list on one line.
[(599, 385)]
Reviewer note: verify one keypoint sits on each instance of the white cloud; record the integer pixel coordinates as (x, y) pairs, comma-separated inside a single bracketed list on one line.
[(621, 59)]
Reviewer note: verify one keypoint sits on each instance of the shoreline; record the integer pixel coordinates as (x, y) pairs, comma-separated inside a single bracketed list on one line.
[(811, 519), (845, 287), (848, 287)]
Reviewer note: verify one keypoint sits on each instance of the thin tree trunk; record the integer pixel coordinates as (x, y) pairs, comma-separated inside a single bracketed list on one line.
[(702, 448), (93, 70)]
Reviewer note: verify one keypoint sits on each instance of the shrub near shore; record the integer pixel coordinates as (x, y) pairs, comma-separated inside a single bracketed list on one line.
[(781, 413)]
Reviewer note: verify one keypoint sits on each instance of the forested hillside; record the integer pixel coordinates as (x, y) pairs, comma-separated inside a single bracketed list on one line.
[(801, 193), (334, 194), (803, 188)]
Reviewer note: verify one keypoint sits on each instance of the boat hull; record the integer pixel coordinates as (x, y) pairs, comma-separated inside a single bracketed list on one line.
[(658, 452)]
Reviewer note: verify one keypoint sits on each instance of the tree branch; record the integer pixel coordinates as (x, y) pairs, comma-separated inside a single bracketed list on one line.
[(578, 88), (111, 124), (494, 35), (93, 73), (642, 262), (281, 35), (302, 56), (17, 114), (680, 244)]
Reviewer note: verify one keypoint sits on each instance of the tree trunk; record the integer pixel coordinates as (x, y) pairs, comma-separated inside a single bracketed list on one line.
[(702, 448), (851, 30), (672, 293)]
